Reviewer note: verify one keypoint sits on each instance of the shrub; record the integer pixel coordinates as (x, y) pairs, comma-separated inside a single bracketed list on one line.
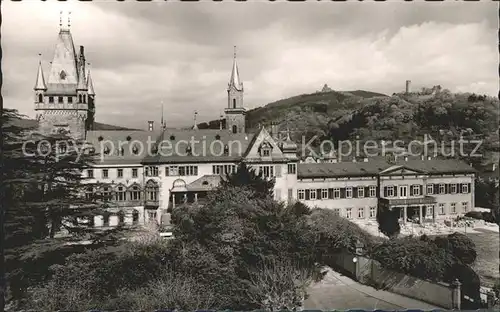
[(414, 257), (334, 233), (459, 245), (388, 222)]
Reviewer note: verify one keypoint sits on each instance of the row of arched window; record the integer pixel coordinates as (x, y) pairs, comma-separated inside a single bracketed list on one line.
[(121, 192)]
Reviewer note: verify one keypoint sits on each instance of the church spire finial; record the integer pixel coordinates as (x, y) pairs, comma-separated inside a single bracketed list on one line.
[(163, 125), (234, 56), (60, 20), (69, 19), (195, 127)]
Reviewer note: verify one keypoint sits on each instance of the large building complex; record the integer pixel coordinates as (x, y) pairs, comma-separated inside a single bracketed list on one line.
[(150, 172)]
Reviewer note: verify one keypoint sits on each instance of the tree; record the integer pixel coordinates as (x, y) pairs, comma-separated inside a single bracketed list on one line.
[(45, 195), (388, 222), (245, 176), (279, 284), (460, 246)]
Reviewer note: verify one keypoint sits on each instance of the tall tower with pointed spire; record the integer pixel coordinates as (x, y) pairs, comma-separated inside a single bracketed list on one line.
[(235, 112), (64, 104)]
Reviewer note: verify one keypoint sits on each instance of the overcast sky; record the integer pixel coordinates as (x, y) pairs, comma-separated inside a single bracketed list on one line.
[(181, 53)]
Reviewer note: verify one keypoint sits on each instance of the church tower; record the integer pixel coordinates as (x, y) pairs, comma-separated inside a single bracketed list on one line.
[(64, 104), (235, 112)]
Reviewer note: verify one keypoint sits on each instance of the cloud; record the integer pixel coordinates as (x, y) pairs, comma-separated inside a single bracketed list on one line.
[(143, 53)]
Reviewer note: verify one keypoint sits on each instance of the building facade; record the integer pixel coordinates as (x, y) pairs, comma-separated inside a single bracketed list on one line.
[(149, 173)]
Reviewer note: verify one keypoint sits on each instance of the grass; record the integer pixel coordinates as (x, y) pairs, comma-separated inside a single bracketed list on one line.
[(487, 246)]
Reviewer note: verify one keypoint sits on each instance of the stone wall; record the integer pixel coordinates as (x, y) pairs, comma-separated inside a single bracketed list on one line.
[(368, 271)]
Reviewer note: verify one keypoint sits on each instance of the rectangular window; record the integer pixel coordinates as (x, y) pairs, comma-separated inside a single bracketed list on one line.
[(313, 194), (134, 173), (430, 189), (90, 173), (373, 212), (324, 194), (336, 193), (415, 190), (60, 99), (119, 173), (151, 171), (430, 211), (105, 173), (361, 213), (453, 208), (453, 188), (266, 153), (301, 194), (441, 188), (266, 171), (348, 213), (51, 99), (182, 170), (292, 168), (465, 206), (290, 194), (465, 188), (70, 99), (348, 192), (336, 211), (390, 191), (403, 190), (373, 191), (361, 191), (441, 209)]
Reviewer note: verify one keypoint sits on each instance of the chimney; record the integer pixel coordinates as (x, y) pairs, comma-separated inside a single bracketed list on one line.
[(494, 167), (408, 86), (429, 157), (150, 125), (406, 158), (365, 159), (81, 50)]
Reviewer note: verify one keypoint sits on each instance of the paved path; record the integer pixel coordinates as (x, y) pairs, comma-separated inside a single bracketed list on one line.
[(338, 292)]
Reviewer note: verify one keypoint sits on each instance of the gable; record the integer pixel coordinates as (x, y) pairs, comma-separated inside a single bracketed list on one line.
[(263, 138), (400, 170)]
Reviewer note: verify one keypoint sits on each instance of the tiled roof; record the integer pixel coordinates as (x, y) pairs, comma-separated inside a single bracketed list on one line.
[(172, 146), (205, 183), (125, 141), (64, 59), (378, 164)]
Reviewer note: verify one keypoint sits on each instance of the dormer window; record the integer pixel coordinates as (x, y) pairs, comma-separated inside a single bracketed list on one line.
[(62, 75), (154, 149), (106, 151), (226, 150), (188, 150), (265, 149), (135, 150), (121, 151)]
